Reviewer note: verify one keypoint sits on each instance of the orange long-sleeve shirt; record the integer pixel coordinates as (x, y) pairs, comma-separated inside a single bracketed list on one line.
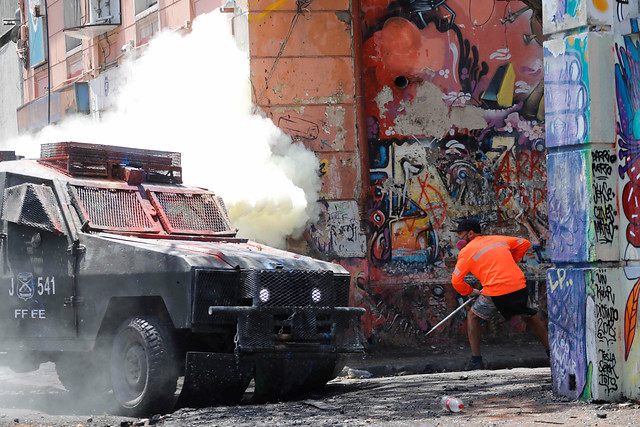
[(492, 259)]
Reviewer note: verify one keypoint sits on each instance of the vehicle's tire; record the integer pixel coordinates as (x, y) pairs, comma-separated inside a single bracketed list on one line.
[(143, 368), (84, 373)]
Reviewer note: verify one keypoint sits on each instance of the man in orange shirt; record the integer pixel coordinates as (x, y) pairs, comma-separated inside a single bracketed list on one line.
[(493, 260)]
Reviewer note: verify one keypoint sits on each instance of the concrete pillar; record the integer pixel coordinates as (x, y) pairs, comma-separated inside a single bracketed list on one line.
[(592, 75)]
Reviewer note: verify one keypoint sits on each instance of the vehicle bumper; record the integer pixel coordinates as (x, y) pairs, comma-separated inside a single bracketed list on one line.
[(294, 329)]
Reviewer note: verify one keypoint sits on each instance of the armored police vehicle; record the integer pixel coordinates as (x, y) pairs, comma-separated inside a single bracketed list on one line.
[(127, 279)]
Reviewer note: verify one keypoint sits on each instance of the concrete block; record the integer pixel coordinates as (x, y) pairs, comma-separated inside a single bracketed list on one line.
[(579, 90), (583, 211), (586, 307), (603, 323), (566, 299), (563, 15)]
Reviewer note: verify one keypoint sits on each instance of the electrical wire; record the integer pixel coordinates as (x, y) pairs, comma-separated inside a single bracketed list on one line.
[(301, 8), (493, 7)]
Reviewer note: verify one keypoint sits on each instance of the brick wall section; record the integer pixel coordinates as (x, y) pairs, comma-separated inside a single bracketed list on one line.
[(309, 90)]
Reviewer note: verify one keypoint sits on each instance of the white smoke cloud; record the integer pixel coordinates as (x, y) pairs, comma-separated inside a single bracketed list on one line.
[(192, 94)]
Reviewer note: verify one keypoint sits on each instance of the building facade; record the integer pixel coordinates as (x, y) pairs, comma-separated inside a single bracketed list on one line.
[(10, 70)]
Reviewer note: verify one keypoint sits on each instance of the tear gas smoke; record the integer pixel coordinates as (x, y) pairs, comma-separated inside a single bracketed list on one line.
[(191, 94)]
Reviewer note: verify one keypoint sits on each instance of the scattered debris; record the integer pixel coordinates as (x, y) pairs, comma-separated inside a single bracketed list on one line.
[(348, 372)]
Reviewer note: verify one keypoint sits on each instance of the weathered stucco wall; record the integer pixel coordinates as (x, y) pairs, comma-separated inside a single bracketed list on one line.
[(302, 72)]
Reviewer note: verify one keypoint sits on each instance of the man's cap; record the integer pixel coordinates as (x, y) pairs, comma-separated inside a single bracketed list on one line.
[(469, 225)]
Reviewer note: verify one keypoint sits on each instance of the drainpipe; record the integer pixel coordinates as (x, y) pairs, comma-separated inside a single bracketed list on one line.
[(361, 122)]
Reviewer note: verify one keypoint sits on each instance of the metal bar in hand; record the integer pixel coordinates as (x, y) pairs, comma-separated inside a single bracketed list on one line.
[(452, 313)]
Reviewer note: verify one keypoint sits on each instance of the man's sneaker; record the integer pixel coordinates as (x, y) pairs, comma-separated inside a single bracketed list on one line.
[(473, 366)]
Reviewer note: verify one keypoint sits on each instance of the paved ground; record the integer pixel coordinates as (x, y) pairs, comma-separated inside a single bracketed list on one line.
[(507, 394), (520, 396)]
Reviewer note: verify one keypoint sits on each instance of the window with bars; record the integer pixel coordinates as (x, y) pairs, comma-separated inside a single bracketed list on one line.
[(125, 210)]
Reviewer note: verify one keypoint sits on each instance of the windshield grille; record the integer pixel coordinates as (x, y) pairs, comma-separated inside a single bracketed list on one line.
[(191, 213), (112, 209)]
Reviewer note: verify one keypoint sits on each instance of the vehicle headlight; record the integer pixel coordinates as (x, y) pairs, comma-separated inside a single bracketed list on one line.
[(264, 295), (316, 295)]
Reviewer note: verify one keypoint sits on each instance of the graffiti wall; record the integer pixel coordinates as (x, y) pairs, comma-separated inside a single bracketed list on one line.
[(577, 71), (563, 15), (341, 235), (593, 213), (583, 210), (455, 129), (567, 334), (627, 66), (592, 326), (627, 51)]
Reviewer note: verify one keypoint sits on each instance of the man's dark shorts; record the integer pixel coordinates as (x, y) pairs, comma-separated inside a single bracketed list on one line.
[(509, 305)]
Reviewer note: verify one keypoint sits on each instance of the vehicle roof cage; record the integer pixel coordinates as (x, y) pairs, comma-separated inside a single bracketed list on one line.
[(97, 160)]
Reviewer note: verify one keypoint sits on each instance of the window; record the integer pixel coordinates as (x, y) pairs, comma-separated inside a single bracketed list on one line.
[(71, 43), (142, 5), (147, 20)]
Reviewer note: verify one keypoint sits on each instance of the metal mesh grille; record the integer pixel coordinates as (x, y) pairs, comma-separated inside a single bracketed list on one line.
[(290, 288), (113, 209), (32, 205), (342, 285), (347, 331), (217, 288), (255, 330), (303, 326), (79, 158), (191, 212)]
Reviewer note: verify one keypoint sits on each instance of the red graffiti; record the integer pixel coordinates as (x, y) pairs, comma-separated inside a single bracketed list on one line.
[(516, 181), (437, 210)]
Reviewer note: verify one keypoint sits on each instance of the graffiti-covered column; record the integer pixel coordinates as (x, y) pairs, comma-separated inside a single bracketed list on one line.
[(627, 77), (587, 289)]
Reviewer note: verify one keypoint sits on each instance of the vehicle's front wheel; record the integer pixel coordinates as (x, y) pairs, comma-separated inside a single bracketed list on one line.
[(143, 367)]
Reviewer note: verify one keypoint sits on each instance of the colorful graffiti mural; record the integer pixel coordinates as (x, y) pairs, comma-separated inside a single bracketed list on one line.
[(571, 81), (563, 15), (455, 128), (584, 332), (627, 51), (567, 335), (569, 206), (593, 312)]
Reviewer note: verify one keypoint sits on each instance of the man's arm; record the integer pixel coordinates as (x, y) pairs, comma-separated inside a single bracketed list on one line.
[(518, 247), (457, 278)]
